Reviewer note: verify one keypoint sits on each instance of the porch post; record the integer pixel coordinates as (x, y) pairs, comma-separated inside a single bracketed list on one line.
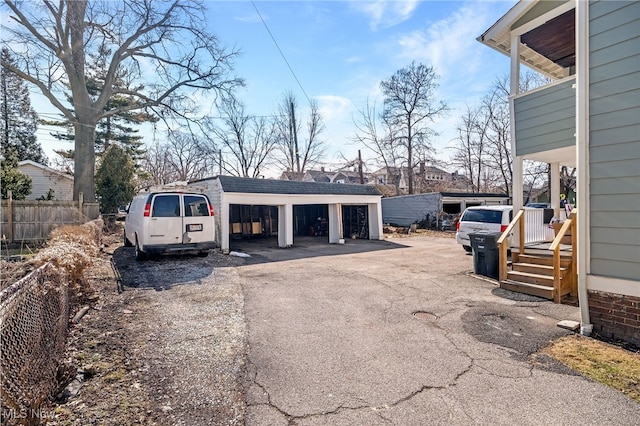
[(514, 85), (555, 189)]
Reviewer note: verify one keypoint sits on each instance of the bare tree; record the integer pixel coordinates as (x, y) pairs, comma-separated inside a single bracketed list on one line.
[(298, 150), (382, 142), (484, 137), (496, 107), (161, 50), (188, 156), (250, 140), (535, 176), (568, 181), (470, 153), (410, 107), (156, 163)]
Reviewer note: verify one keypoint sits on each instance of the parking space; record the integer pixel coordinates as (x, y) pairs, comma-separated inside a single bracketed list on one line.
[(401, 333)]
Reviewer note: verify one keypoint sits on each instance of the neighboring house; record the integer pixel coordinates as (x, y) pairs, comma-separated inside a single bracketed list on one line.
[(326, 176), (407, 209), (396, 176), (255, 208), (44, 179), (588, 117), (426, 179)]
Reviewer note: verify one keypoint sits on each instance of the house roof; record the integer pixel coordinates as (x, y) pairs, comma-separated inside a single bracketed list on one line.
[(457, 194), (547, 35), (272, 186), (45, 168)]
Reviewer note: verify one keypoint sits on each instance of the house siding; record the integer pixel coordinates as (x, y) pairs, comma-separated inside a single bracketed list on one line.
[(614, 139), (405, 210), (43, 180), (545, 119)]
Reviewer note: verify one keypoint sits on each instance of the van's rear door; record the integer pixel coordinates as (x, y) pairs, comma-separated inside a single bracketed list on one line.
[(198, 220), (165, 226)]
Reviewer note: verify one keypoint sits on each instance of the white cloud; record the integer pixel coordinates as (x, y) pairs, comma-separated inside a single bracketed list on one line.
[(332, 106), (385, 13), (451, 42), (253, 18)]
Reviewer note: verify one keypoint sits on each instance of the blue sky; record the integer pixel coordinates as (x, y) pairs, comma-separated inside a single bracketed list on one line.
[(341, 50)]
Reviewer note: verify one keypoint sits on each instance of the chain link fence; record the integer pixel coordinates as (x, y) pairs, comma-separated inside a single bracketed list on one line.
[(34, 315)]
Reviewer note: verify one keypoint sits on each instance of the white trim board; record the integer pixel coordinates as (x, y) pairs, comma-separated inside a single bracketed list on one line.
[(613, 285)]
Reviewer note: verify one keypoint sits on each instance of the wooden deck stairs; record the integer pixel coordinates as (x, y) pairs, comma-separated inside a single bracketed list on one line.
[(549, 272), (533, 274)]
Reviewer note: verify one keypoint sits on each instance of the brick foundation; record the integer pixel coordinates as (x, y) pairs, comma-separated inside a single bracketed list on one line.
[(615, 316)]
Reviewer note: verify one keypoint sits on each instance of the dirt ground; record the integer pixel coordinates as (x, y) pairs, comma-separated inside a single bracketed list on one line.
[(129, 359)]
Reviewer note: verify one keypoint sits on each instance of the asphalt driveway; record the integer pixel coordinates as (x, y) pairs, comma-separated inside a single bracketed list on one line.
[(397, 332)]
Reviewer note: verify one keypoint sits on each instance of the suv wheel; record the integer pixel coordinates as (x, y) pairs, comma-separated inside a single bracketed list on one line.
[(467, 249)]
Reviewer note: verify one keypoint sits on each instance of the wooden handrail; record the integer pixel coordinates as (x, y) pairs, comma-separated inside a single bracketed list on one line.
[(555, 248), (503, 242)]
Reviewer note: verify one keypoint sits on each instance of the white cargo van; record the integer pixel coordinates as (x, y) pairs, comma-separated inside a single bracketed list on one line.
[(169, 222)]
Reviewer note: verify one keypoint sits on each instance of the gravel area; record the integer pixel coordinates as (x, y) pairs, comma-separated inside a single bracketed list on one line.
[(169, 350)]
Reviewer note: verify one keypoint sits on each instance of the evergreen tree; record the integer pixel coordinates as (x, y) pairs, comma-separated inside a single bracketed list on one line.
[(117, 128), (18, 119), (114, 180), (12, 179)]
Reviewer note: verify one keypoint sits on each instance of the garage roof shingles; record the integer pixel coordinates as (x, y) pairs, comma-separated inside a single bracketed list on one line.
[(271, 186)]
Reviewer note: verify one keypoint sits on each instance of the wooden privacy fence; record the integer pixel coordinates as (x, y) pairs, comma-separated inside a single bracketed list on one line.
[(34, 220)]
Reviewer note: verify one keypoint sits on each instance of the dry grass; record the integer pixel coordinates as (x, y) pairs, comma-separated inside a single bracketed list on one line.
[(72, 248), (606, 363)]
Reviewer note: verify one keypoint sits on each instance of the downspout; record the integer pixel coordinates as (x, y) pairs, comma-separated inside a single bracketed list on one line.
[(582, 155)]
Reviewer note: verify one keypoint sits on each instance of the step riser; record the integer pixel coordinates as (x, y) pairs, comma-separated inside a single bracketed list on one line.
[(539, 260), (523, 288), (548, 281), (533, 269)]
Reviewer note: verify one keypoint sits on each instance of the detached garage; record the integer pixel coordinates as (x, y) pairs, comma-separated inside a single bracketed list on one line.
[(247, 207)]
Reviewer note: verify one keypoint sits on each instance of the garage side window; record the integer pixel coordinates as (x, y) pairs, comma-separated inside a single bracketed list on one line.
[(195, 206), (166, 206)]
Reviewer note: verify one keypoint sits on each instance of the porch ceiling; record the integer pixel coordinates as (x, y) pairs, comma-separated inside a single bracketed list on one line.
[(565, 156), (548, 48)]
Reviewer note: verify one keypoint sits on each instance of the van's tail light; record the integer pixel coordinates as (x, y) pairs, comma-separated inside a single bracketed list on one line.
[(503, 228), (211, 212), (458, 226), (147, 210)]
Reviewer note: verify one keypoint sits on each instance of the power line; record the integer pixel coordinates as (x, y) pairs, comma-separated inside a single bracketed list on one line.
[(281, 53)]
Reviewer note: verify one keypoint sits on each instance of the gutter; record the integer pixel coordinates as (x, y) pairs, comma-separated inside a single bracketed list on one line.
[(582, 157)]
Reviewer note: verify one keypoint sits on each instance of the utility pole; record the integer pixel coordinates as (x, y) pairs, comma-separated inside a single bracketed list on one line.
[(220, 162), (360, 168), (295, 137)]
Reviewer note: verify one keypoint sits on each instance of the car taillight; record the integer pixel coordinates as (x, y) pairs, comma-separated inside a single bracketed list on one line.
[(147, 210), (458, 226), (503, 228), (211, 212)]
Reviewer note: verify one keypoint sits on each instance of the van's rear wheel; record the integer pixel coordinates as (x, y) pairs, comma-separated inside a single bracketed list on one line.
[(125, 240), (140, 255), (467, 249)]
